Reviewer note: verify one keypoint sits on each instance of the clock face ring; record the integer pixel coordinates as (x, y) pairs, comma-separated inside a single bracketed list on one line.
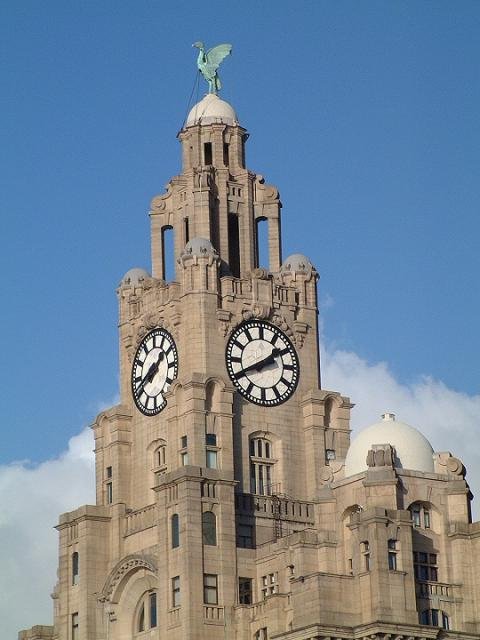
[(262, 363), (154, 368)]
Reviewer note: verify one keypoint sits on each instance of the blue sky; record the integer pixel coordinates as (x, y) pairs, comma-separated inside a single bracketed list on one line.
[(364, 114)]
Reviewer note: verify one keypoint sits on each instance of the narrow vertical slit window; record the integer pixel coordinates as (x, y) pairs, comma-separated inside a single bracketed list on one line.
[(168, 254), (75, 568), (261, 243), (226, 154), (186, 230), (175, 531), (153, 609), (234, 244)]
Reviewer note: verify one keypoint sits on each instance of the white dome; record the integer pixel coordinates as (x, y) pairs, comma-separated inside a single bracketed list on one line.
[(134, 277), (199, 247), (296, 262), (210, 110), (412, 450)]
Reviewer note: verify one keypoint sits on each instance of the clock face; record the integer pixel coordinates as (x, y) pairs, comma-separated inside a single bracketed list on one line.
[(155, 366), (262, 363)]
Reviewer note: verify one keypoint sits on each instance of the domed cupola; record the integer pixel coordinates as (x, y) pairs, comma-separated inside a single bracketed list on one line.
[(212, 110), (412, 450), (135, 277)]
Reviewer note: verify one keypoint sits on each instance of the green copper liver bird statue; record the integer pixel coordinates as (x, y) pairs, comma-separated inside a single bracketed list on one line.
[(209, 61)]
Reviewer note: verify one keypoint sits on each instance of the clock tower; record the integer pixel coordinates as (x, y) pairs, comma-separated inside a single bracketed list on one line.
[(229, 501), (222, 423)]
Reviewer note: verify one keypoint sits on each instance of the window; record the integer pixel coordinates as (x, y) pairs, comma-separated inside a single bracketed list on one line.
[(207, 153), (168, 253), (209, 528), (234, 245), (269, 585), (75, 568), (183, 450), (434, 618), (365, 548), (245, 590), (425, 566), (261, 634), (392, 555), (75, 633), (226, 158), (175, 531), (109, 485), (211, 453), (160, 456), (262, 258), (245, 536), (261, 466), (420, 515), (210, 588), (176, 601), (211, 439), (146, 612)]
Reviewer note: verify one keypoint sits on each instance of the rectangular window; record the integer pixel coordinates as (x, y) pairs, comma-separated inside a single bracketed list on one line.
[(425, 566), (211, 439), (211, 459), (184, 459), (109, 493), (245, 590), (365, 546), (109, 472), (207, 153), (269, 585), (226, 158), (392, 561), (183, 442), (75, 633), (426, 518), (153, 610), (210, 589), (245, 536), (176, 601)]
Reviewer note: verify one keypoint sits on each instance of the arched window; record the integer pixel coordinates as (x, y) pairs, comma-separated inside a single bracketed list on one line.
[(209, 528), (261, 466), (434, 618), (75, 568), (175, 531), (421, 515), (146, 616)]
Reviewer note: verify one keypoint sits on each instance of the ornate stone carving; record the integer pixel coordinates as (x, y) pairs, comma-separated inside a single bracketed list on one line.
[(381, 455), (128, 565)]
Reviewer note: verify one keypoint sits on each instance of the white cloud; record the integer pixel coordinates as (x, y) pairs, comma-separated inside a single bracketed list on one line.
[(449, 419), (32, 498)]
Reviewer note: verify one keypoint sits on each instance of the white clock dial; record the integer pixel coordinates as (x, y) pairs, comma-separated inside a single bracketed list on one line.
[(262, 363), (155, 366)]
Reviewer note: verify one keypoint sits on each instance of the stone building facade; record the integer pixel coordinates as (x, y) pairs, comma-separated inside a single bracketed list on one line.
[(230, 503)]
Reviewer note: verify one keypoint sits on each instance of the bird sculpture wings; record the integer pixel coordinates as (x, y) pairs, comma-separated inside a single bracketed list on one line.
[(209, 61)]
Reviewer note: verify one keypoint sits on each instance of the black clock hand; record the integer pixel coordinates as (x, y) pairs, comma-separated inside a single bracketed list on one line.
[(152, 372), (256, 366)]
